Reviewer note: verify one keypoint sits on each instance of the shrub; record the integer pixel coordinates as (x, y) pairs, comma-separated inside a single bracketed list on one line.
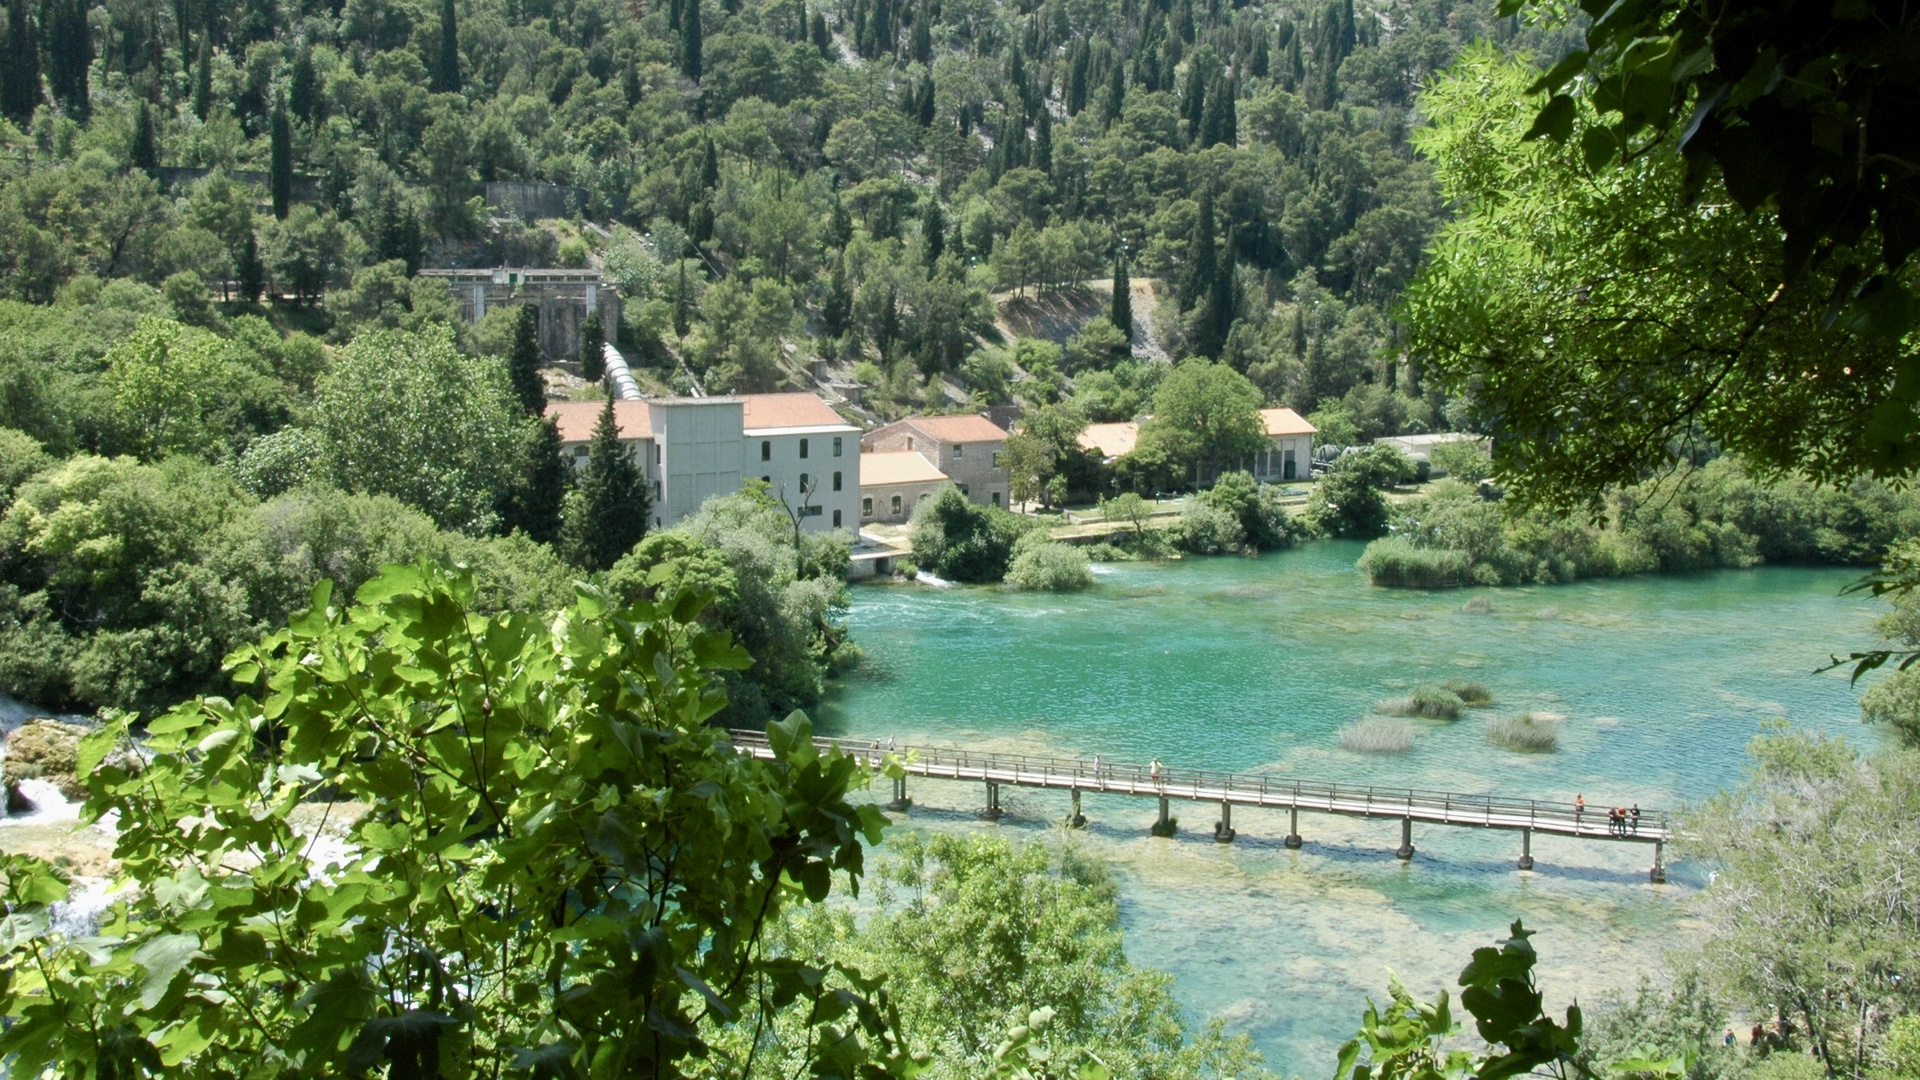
[(1042, 565), (1523, 734), (1398, 562), (1205, 529), (1377, 735), (1465, 460), (1469, 692), (1347, 501), (1265, 523), (1432, 702), (963, 542)]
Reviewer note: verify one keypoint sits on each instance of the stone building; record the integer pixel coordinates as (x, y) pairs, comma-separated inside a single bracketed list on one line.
[(969, 450), (561, 298)]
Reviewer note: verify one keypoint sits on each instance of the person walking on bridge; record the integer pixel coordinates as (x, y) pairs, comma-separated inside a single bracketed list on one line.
[(1579, 808), (1157, 773), (1634, 816)]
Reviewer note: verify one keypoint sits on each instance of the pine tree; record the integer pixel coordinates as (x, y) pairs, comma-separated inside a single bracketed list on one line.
[(69, 56), (690, 43), (607, 513), (536, 501), (593, 348), (280, 162), (524, 360), (446, 67), (144, 154), (203, 77), (1120, 312), (20, 85), (933, 233), (251, 271)]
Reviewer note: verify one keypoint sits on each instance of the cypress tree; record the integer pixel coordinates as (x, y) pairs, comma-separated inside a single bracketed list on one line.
[(1120, 313), (203, 77), (607, 513), (1077, 80), (303, 86), (1116, 93), (840, 229), (1183, 20), (252, 272), (682, 321), (710, 166), (1201, 264), (700, 225), (837, 309), (144, 154), (690, 43), (69, 56), (446, 67), (1213, 119), (20, 85), (1262, 58), (280, 162), (536, 502), (933, 233), (822, 40), (1043, 141), (1216, 315), (593, 348), (921, 49), (926, 109), (523, 361)]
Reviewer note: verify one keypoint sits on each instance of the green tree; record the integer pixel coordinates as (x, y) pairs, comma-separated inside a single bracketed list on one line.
[(1120, 309), (593, 348), (183, 390), (69, 56), (1347, 502), (962, 541), (446, 60), (1206, 416), (1594, 373), (20, 86), (690, 40), (406, 414), (536, 717), (537, 497), (144, 153), (280, 167), (606, 514), (524, 361)]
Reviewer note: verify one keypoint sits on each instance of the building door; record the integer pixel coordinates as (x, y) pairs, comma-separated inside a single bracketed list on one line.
[(1287, 466)]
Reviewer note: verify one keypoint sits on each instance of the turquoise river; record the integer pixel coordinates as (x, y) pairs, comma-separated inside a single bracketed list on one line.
[(1256, 664)]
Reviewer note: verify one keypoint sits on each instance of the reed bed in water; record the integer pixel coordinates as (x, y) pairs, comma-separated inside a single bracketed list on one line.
[(1431, 702), (1377, 735), (1524, 734), (1472, 694)]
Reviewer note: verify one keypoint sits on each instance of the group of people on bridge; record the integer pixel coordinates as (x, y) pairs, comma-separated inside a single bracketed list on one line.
[(1621, 820)]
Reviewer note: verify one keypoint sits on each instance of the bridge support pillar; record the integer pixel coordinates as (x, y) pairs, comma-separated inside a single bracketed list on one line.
[(1293, 827), (1405, 850), (1526, 849), (1075, 819), (1223, 829), (1658, 875), (1164, 826), (900, 804), (992, 812)]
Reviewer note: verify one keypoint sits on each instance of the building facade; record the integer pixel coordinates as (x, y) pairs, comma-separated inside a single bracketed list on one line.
[(893, 482), (969, 450), (691, 449), (561, 300), (1290, 455)]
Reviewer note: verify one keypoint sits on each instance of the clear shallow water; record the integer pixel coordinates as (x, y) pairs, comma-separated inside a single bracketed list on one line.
[(1256, 664)]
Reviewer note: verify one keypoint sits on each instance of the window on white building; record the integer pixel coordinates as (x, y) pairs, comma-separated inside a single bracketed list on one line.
[(997, 455), (836, 519), (803, 448), (836, 481), (896, 504), (996, 498), (836, 446), (766, 450), (803, 485)]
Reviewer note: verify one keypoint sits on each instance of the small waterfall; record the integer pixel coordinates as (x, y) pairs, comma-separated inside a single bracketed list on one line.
[(49, 805)]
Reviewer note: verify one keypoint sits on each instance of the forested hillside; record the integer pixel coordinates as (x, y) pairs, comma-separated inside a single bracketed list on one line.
[(854, 178)]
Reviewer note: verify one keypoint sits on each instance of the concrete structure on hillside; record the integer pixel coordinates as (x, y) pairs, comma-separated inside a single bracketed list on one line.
[(561, 299), (967, 449), (893, 482), (691, 449), (1288, 456)]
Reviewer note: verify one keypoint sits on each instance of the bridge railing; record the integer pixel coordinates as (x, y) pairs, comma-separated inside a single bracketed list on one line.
[(1213, 785)]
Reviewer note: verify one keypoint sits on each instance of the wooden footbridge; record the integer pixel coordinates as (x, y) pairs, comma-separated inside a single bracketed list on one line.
[(1230, 789)]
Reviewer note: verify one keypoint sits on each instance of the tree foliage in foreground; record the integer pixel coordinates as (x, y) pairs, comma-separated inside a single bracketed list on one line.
[(1600, 320), (552, 864)]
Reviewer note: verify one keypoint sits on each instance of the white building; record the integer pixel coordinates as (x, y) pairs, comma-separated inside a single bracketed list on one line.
[(691, 449)]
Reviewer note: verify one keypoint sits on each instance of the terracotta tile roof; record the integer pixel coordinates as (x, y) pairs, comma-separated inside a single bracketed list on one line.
[(1111, 440), (971, 428), (577, 419), (1286, 422), (787, 411), (880, 468)]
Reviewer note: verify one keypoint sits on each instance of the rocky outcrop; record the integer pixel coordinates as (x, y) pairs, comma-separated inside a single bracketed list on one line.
[(46, 749)]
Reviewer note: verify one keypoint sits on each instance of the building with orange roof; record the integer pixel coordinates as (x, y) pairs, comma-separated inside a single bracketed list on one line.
[(1288, 457), (968, 449), (893, 482)]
